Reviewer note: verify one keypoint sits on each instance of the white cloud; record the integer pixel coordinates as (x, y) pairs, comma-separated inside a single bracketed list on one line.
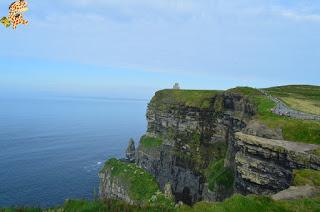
[(297, 16)]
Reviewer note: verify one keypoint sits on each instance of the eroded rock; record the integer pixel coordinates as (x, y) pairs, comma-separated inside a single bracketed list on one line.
[(264, 166)]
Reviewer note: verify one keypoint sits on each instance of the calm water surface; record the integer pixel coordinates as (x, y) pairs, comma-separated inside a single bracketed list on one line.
[(52, 149)]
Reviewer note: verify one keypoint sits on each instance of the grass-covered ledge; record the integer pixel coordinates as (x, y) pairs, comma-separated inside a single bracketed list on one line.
[(142, 185), (150, 142)]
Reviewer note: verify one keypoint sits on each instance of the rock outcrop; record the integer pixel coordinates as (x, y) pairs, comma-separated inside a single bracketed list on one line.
[(131, 151), (113, 187), (264, 166)]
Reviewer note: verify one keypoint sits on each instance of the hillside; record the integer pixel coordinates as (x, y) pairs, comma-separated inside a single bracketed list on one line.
[(301, 97)]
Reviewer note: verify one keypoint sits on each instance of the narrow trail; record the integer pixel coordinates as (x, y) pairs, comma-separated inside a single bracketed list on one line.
[(283, 110)]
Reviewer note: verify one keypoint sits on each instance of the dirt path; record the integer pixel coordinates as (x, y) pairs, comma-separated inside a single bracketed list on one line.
[(283, 110)]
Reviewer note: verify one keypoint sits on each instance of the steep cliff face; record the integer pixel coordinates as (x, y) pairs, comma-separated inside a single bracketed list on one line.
[(208, 145), (192, 137), (264, 166), (114, 187)]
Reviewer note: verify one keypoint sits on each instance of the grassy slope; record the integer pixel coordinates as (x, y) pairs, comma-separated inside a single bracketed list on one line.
[(294, 130), (305, 98)]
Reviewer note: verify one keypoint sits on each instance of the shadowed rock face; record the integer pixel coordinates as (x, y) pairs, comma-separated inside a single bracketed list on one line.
[(264, 166)]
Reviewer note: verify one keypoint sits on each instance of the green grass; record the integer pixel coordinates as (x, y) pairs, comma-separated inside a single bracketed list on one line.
[(142, 185), (110, 205), (150, 142), (236, 203), (293, 130), (218, 176), (306, 177), (191, 98), (246, 91), (82, 205), (252, 203)]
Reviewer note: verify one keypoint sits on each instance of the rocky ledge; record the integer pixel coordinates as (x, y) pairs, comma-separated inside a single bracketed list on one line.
[(265, 166)]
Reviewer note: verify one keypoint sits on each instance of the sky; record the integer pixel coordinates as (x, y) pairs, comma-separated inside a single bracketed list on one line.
[(131, 48)]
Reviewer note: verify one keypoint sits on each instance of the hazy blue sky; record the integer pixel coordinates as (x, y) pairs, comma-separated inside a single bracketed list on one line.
[(130, 48)]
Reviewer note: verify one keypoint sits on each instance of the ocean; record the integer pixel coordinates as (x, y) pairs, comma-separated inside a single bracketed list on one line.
[(51, 149)]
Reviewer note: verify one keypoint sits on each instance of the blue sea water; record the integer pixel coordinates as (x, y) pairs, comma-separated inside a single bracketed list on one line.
[(51, 149)]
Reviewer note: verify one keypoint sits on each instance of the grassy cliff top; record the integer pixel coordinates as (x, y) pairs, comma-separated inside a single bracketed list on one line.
[(191, 98)]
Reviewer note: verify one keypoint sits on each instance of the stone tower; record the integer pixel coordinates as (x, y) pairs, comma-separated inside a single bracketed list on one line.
[(176, 86)]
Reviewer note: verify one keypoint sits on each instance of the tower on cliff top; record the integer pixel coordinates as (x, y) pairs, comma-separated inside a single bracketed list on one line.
[(176, 86)]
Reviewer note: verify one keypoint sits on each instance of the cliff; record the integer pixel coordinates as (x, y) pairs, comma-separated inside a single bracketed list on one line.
[(265, 166), (208, 145)]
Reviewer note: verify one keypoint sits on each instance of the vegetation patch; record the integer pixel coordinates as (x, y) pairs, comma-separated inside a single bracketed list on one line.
[(306, 177), (150, 142), (219, 176), (190, 98), (310, 92), (82, 205), (248, 91), (142, 185)]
